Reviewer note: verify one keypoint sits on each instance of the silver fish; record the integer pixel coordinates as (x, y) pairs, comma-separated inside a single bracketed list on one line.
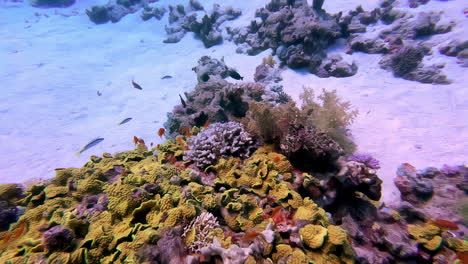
[(124, 121), (91, 144)]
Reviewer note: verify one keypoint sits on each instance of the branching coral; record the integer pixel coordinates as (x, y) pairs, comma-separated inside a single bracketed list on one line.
[(220, 140), (197, 233)]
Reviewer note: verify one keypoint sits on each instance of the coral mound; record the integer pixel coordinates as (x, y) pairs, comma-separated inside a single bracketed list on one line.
[(220, 140)]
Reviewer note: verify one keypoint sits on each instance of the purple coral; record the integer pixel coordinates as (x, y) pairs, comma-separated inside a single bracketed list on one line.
[(220, 140), (366, 159), (451, 171), (58, 238), (92, 204), (169, 249)]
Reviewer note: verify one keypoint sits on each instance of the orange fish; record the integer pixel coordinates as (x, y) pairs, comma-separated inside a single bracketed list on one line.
[(171, 158), (135, 140), (185, 131), (207, 123), (161, 132), (276, 159), (250, 236), (141, 141), (444, 224), (180, 140)]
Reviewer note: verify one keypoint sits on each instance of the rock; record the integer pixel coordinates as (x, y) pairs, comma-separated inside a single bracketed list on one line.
[(317, 4), (335, 66), (52, 3), (404, 61), (261, 72), (298, 34), (184, 19), (114, 10), (430, 173), (150, 12), (372, 46), (408, 27), (98, 14), (454, 47), (423, 189), (8, 215), (410, 213), (428, 74)]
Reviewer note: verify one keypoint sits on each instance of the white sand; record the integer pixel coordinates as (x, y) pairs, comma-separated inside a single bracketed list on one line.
[(52, 67)]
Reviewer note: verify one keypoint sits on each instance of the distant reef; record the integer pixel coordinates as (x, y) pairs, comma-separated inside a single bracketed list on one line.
[(242, 177), (300, 34), (52, 3)]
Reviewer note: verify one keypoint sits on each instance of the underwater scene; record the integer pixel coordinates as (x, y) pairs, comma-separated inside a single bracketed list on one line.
[(222, 131)]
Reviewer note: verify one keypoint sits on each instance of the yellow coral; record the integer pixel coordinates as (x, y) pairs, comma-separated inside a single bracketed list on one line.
[(298, 257), (434, 243), (282, 250), (313, 235), (458, 244), (336, 235), (426, 231), (52, 191)]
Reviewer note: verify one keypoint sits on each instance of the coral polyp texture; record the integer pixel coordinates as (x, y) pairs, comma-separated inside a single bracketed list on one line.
[(217, 141)]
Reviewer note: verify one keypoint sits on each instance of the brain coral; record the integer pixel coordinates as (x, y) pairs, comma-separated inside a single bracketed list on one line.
[(219, 140)]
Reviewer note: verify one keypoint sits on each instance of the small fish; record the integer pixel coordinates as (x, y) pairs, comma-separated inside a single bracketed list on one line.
[(235, 75), (166, 77), (180, 140), (207, 124), (182, 101), (205, 77), (135, 140), (57, 169), (136, 85), (185, 131), (250, 236), (151, 144), (92, 143), (161, 132), (444, 224), (171, 158), (141, 141), (99, 93), (124, 121), (277, 159)]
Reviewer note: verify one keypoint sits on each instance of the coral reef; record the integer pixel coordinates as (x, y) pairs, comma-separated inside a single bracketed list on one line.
[(51, 3), (406, 63), (298, 34), (402, 40), (220, 140), (184, 19), (456, 48), (210, 68), (114, 10), (150, 12), (266, 182)]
